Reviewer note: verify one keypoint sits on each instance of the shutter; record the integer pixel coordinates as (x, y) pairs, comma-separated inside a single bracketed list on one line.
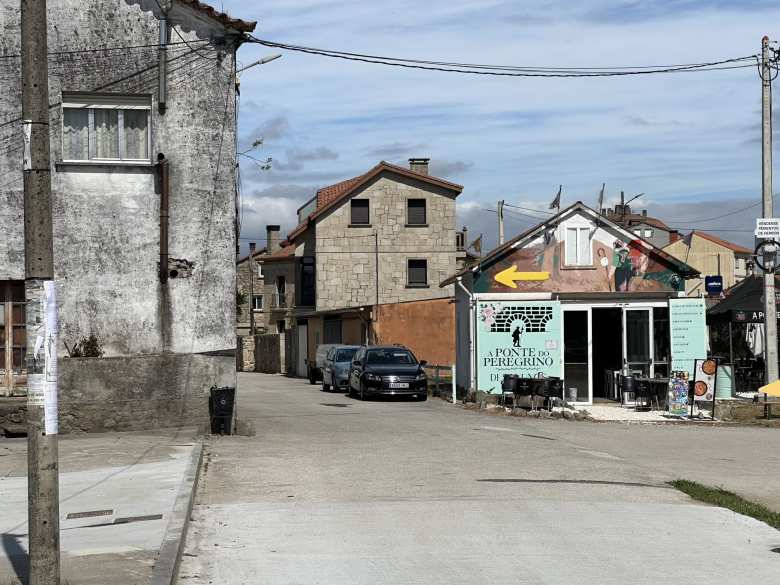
[(359, 211), (571, 246), (583, 255), (416, 212), (418, 272)]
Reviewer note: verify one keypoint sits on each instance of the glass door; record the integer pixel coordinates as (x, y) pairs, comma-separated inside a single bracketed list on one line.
[(638, 341), (576, 374)]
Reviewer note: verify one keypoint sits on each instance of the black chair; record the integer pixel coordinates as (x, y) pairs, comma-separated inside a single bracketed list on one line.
[(522, 388), (642, 398), (627, 386), (508, 386)]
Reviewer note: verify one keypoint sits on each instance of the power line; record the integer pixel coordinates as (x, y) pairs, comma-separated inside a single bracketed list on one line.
[(507, 70), (101, 49)]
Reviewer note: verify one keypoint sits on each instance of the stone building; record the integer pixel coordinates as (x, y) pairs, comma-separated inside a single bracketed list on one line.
[(255, 296), (163, 318), (384, 238), (640, 224)]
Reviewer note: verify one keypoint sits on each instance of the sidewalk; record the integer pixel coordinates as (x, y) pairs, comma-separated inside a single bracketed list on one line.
[(118, 494)]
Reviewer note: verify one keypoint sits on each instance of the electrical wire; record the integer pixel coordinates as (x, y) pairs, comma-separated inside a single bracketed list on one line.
[(505, 70), (101, 49)]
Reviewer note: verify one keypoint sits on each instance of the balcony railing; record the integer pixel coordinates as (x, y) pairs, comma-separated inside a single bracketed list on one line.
[(281, 301)]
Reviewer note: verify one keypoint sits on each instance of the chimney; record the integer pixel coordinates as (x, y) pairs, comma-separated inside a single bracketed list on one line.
[(644, 213), (419, 165), (251, 248), (272, 238)]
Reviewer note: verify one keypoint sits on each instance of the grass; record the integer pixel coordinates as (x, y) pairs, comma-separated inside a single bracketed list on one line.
[(726, 499)]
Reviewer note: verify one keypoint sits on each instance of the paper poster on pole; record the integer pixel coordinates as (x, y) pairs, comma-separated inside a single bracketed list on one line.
[(51, 329)]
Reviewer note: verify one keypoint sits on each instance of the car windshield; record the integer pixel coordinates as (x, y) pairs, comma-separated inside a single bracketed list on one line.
[(390, 356), (345, 355)]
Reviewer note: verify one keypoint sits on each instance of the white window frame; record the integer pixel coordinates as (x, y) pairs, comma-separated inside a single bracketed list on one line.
[(577, 261), (648, 233), (119, 102), (254, 304), (259, 272)]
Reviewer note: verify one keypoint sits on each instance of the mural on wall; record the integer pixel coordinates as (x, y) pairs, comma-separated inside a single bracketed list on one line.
[(618, 265)]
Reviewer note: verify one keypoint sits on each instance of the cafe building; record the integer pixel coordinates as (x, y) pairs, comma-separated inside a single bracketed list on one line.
[(579, 298)]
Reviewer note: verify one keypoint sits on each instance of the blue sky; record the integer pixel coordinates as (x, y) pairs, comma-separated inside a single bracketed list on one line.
[(690, 142)]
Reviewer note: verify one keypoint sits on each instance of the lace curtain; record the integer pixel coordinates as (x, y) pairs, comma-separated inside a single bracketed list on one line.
[(136, 134), (75, 134), (106, 133)]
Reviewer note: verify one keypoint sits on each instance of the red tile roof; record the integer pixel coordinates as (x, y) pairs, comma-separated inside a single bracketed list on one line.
[(281, 254), (227, 20), (721, 242), (328, 197)]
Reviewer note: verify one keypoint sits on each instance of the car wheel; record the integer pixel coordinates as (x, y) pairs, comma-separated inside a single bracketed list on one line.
[(422, 397)]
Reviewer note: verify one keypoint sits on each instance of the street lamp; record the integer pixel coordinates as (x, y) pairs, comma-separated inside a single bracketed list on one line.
[(262, 61)]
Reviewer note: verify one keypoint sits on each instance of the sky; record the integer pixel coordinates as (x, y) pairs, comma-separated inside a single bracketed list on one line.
[(689, 141)]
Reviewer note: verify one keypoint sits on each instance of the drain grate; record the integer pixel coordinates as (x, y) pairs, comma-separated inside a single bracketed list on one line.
[(91, 514), (138, 518), (337, 405)]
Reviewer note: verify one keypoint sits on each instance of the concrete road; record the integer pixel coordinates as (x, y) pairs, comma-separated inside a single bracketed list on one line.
[(337, 491)]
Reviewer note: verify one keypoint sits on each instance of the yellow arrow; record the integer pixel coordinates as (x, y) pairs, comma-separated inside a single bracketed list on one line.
[(772, 389), (510, 275)]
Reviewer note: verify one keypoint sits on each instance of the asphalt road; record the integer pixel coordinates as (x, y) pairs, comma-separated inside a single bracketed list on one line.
[(336, 491)]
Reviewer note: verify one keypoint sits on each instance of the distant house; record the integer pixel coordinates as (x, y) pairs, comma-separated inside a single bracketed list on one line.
[(254, 296), (711, 256), (365, 262), (642, 225)]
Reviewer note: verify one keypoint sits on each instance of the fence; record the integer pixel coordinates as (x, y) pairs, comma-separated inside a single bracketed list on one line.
[(439, 380)]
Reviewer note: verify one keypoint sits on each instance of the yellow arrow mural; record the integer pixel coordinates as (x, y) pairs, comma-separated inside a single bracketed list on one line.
[(509, 276)]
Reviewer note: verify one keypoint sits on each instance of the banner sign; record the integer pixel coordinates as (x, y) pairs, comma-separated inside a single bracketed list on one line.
[(517, 337), (678, 393), (688, 328)]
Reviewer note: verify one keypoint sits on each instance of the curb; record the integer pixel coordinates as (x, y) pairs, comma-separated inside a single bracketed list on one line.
[(166, 568)]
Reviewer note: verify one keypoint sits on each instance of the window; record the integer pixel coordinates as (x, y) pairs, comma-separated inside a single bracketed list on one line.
[(280, 326), (359, 212), (648, 234), (257, 302), (415, 212), (259, 269), (460, 241), (578, 246), (638, 233), (417, 273), (308, 288), (105, 127), (13, 337), (332, 331), (281, 291)]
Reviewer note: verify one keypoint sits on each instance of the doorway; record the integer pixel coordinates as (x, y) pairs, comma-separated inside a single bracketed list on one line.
[(607, 348), (576, 373)]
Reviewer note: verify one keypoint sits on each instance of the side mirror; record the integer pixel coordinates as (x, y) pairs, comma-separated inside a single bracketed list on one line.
[(423, 363)]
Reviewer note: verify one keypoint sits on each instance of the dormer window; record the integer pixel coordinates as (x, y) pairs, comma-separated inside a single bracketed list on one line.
[(578, 248)]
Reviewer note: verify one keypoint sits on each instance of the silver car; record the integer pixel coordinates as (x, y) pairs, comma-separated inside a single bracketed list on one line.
[(335, 374)]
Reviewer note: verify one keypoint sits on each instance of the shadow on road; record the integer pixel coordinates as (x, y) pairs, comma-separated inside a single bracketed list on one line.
[(17, 556)]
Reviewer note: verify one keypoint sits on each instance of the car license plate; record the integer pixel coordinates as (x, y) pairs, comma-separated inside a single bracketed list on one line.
[(399, 384)]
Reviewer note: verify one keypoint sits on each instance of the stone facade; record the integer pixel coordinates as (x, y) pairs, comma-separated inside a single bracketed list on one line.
[(106, 215), (346, 266), (243, 271), (279, 310)]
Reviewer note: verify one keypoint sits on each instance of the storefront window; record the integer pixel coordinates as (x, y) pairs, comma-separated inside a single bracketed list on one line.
[(661, 341)]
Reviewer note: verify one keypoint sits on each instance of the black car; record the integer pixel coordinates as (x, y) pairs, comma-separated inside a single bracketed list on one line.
[(387, 370)]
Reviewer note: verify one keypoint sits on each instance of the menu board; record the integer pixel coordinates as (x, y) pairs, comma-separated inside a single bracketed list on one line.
[(517, 337), (704, 380), (688, 329)]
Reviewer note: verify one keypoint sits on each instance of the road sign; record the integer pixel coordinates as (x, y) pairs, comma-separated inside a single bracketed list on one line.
[(768, 227), (713, 285)]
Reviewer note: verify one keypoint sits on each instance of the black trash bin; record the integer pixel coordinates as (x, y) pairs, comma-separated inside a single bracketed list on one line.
[(221, 402)]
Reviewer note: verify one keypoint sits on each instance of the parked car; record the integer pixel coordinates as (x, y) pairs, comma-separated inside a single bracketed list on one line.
[(335, 374), (388, 370), (315, 369)]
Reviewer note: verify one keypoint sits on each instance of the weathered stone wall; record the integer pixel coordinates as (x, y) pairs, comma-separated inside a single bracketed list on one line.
[(271, 270), (350, 279), (106, 216), (141, 392), (246, 354), (269, 353)]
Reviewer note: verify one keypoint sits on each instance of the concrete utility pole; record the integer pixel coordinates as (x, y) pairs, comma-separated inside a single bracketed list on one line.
[(42, 457), (770, 308), (251, 264), (500, 222)]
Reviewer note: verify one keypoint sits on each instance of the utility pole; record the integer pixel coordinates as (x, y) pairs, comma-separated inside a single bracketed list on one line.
[(500, 222), (251, 264), (40, 294), (770, 308)]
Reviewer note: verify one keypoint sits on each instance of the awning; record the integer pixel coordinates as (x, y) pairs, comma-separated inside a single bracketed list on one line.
[(744, 302)]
